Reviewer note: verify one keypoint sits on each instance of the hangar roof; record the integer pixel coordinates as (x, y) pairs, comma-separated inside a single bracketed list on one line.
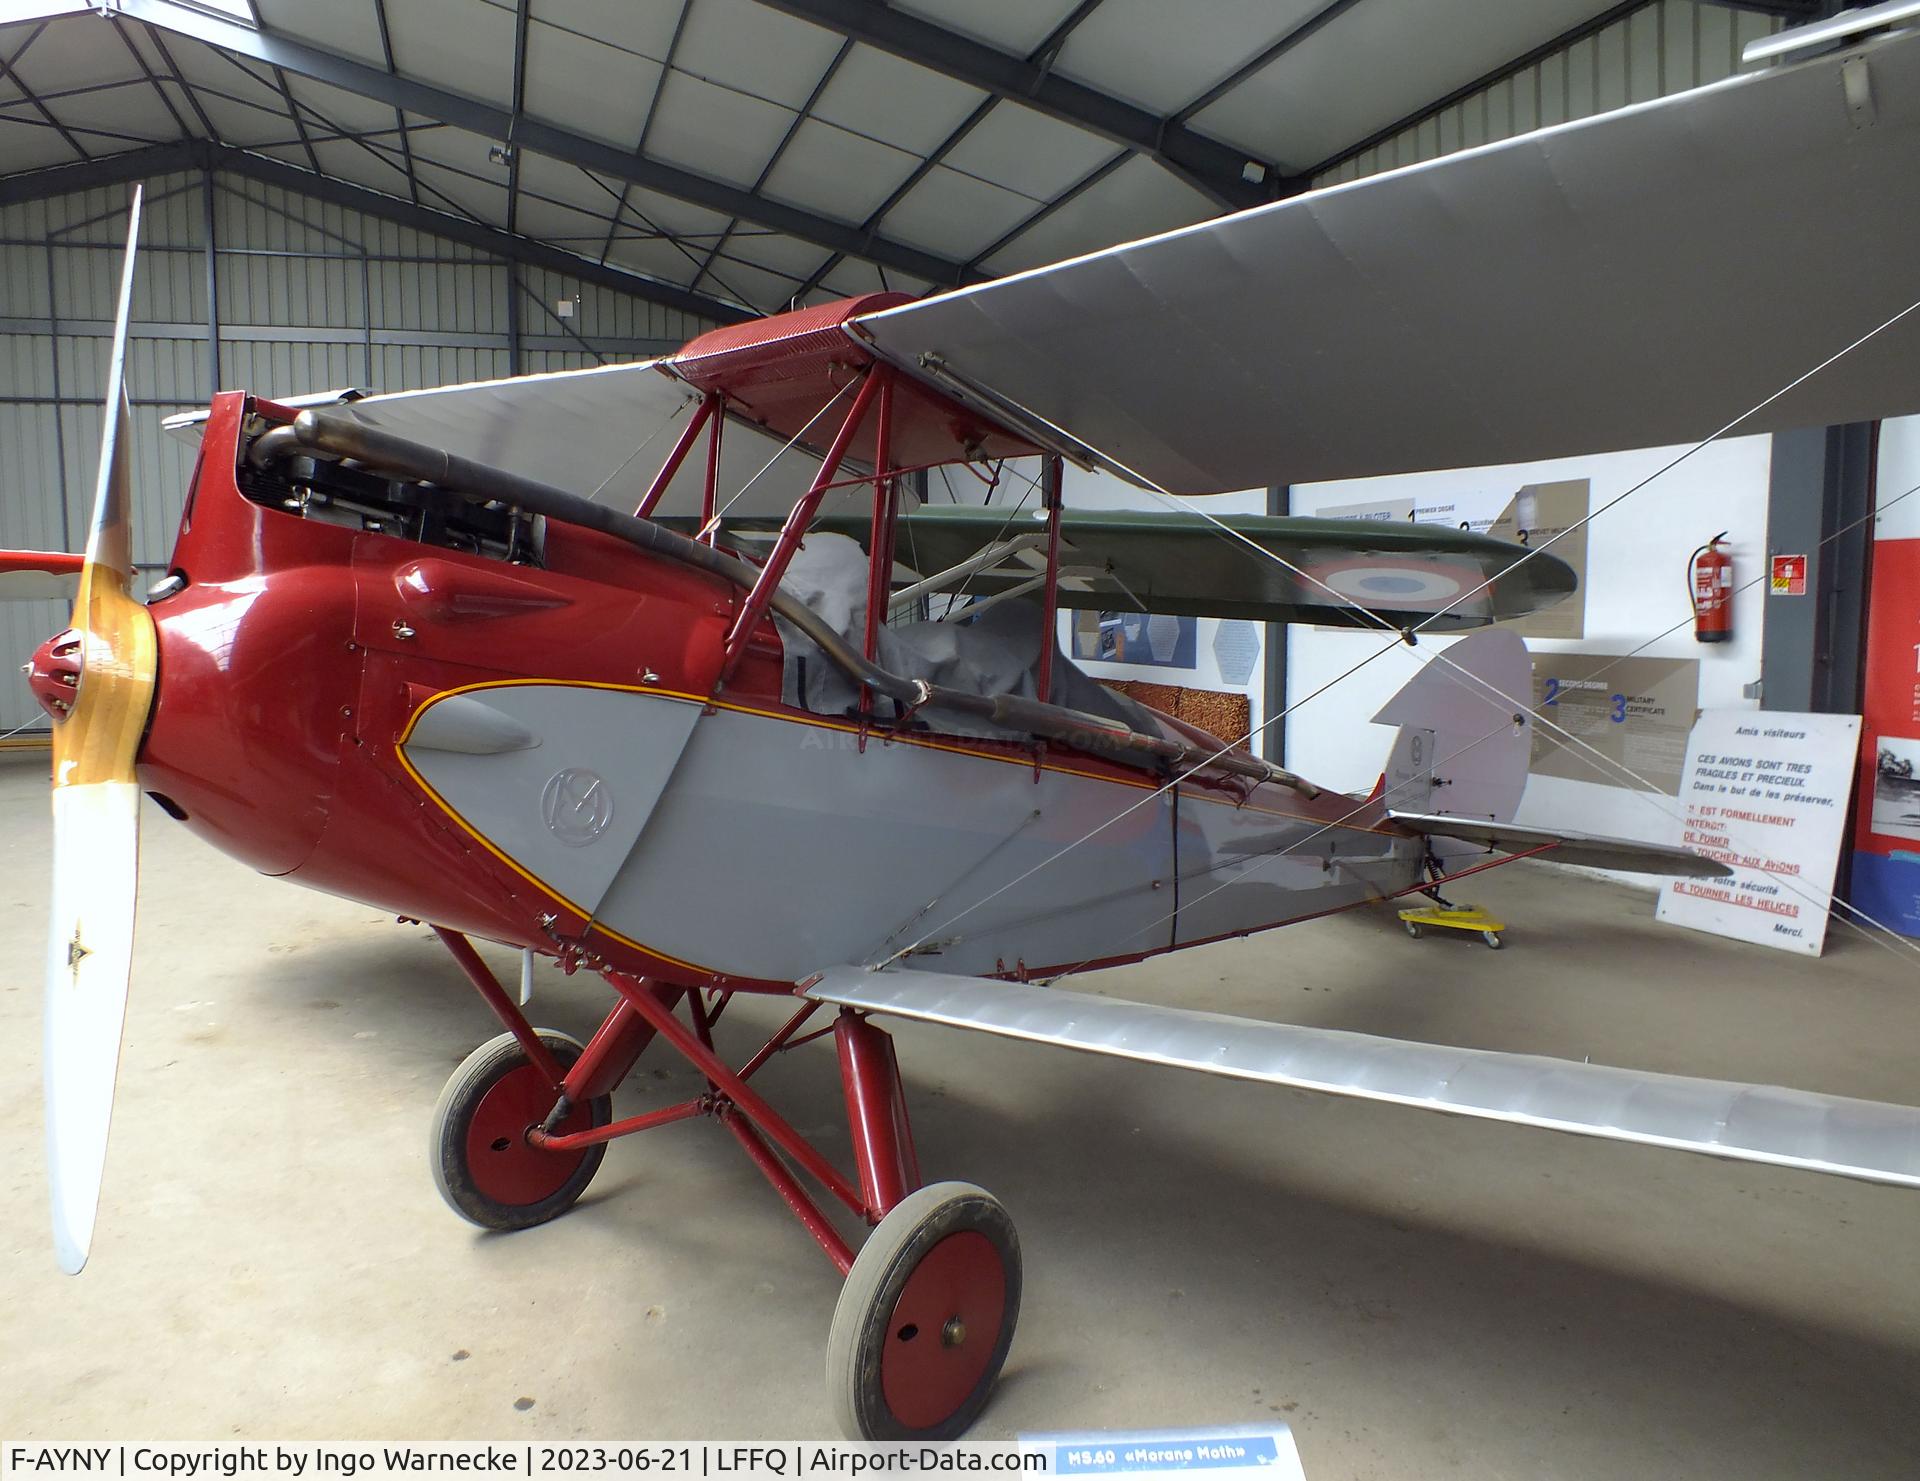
[(748, 154)]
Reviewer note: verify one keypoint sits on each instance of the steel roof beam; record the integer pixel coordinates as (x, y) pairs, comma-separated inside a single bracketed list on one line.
[(399, 118), (493, 122), (1801, 10), (521, 15), (1214, 168), (198, 154), (1042, 55), (7, 64)]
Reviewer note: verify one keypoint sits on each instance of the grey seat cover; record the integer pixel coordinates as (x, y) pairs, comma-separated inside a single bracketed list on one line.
[(997, 652)]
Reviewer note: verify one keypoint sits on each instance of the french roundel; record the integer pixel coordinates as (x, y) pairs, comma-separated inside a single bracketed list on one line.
[(1382, 583)]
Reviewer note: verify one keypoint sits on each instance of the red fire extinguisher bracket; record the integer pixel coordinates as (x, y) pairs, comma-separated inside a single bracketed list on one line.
[(1710, 589)]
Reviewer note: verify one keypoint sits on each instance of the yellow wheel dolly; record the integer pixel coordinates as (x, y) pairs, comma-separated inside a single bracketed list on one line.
[(1453, 918)]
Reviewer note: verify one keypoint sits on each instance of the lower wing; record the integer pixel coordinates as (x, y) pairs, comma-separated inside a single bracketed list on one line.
[(1749, 1123)]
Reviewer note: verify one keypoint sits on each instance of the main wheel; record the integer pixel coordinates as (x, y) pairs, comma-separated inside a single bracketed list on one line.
[(483, 1164), (926, 1317), (1492, 938), (1412, 928)]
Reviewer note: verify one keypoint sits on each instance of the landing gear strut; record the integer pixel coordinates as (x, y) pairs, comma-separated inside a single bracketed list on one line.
[(928, 1310)]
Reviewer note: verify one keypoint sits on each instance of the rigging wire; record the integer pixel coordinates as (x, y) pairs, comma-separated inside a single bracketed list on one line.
[(1889, 941), (648, 442), (1650, 790), (1422, 626), (713, 524)]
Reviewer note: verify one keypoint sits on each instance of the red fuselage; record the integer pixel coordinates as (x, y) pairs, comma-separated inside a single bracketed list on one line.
[(298, 651)]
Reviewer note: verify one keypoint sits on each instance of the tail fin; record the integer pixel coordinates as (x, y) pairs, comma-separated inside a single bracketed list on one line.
[(1465, 737)]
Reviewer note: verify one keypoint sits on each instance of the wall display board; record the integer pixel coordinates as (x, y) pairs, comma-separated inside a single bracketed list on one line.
[(1655, 507), (1886, 841), (1530, 515), (1636, 712), (1209, 671), (1137, 638), (1765, 792)]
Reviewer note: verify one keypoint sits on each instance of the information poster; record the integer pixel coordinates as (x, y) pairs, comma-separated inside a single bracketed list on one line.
[(1636, 712), (1155, 641), (1530, 515), (1886, 858), (1766, 792)]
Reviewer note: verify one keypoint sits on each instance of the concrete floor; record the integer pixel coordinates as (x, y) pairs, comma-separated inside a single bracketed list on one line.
[(1415, 1294)]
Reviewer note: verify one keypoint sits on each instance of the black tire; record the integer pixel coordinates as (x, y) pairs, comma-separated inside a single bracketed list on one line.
[(1412, 929), (939, 1386), (491, 1176)]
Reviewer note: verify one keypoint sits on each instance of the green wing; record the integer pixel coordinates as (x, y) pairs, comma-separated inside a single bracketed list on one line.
[(1186, 565)]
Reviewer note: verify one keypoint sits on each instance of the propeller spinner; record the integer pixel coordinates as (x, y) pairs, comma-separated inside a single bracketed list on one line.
[(96, 827)]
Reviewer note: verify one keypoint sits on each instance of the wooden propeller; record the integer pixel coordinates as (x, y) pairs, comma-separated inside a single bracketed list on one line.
[(96, 829)]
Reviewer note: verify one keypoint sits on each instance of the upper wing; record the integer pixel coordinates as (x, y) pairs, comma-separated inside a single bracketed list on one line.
[(1640, 278), (602, 433), (1568, 848), (1751, 1123), (1185, 565)]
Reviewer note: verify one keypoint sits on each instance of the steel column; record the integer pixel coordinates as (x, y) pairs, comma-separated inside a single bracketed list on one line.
[(1272, 740), (213, 285), (59, 431)]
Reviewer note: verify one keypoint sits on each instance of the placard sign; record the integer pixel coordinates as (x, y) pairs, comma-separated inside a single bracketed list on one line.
[(1217, 1454), (1635, 712), (1766, 792), (1789, 576)]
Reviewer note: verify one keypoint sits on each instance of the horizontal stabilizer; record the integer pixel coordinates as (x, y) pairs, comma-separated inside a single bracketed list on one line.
[(1750, 1123), (39, 575), (1569, 848)]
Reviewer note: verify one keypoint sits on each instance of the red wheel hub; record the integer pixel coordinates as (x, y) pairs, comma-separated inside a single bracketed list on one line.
[(944, 1329), (504, 1166)]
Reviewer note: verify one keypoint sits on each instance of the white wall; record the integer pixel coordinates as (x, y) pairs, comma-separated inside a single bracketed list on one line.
[(1637, 554), (1897, 476)]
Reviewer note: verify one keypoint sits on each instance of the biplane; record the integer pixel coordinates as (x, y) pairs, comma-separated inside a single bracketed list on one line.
[(465, 654)]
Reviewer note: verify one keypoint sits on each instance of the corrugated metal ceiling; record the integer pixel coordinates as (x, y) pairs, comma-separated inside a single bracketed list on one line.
[(762, 151)]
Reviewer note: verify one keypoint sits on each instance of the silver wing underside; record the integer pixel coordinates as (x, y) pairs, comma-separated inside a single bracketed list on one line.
[(1568, 848), (1632, 280), (1749, 1123)]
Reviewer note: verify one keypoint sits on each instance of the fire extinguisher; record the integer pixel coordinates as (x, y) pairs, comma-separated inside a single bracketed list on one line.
[(1710, 588)]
